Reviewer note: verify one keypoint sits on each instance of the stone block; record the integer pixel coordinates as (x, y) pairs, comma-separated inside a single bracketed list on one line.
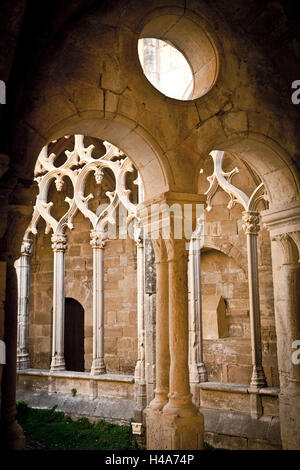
[(228, 227), (167, 432), (239, 374)]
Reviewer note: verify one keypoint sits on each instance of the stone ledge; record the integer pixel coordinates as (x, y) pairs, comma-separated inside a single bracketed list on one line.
[(112, 410), (78, 375), (241, 425), (238, 388)]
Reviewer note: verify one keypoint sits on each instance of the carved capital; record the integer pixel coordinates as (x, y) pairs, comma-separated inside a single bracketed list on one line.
[(289, 247), (26, 248), (59, 243), (251, 222), (160, 250), (176, 250), (139, 235), (97, 240)]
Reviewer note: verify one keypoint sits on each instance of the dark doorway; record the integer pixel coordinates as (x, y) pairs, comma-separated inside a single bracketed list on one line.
[(74, 335)]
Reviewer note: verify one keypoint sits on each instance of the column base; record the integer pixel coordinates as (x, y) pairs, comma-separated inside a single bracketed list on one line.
[(12, 436), (23, 362), (180, 405), (159, 401), (202, 372), (140, 402), (173, 432), (258, 379), (58, 363), (98, 367)]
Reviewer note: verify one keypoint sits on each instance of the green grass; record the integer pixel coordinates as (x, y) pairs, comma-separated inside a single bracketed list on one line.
[(60, 432)]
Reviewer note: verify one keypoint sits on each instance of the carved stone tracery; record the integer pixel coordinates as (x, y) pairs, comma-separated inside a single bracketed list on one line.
[(251, 227), (78, 165)]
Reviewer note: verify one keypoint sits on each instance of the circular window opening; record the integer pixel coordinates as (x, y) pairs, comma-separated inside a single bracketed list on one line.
[(178, 56), (166, 68)]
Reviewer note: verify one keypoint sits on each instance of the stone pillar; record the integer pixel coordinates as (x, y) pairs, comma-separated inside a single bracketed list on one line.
[(251, 227), (150, 317), (198, 371), (287, 288), (23, 274), (162, 327), (180, 399), (140, 376), (59, 245), (177, 425), (12, 436), (98, 243), (283, 224)]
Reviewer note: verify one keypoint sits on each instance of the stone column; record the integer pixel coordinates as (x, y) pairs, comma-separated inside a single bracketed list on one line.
[(150, 317), (198, 371), (287, 311), (23, 274), (59, 245), (177, 424), (98, 243), (251, 227), (11, 436), (162, 327), (179, 402), (140, 378)]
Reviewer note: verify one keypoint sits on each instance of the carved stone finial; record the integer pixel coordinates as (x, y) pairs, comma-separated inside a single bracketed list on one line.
[(26, 247), (59, 242), (99, 175), (59, 182), (251, 222), (97, 240)]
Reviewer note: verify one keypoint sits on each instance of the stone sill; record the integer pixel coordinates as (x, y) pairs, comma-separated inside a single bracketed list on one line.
[(78, 375), (238, 388)]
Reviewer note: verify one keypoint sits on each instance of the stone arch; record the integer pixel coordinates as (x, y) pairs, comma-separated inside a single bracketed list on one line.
[(228, 249), (270, 161), (127, 135)]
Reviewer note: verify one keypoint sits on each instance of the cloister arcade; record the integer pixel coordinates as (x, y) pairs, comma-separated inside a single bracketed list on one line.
[(192, 336)]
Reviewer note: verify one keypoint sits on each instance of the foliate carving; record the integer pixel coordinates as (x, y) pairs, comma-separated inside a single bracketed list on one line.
[(251, 222), (59, 242), (138, 234), (26, 247), (97, 240)]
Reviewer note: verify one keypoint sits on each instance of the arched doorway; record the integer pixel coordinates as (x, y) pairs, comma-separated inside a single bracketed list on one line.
[(74, 335)]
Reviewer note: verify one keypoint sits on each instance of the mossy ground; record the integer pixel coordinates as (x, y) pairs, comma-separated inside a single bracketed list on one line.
[(52, 430), (60, 432)]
